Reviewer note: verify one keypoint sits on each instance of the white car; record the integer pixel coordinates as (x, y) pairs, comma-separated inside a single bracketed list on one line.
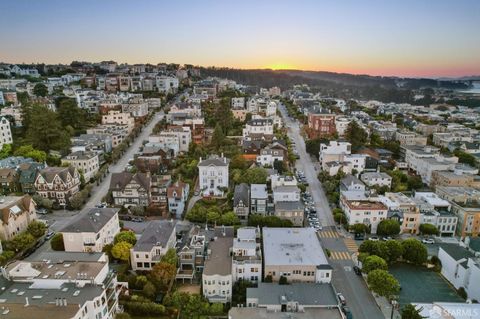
[(428, 241)]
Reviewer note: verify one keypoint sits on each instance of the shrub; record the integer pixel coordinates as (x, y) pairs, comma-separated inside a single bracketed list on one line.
[(57, 242), (283, 280)]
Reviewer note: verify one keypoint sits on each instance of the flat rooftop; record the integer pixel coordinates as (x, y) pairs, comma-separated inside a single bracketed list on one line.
[(220, 261), (365, 204), (292, 246), (263, 313)]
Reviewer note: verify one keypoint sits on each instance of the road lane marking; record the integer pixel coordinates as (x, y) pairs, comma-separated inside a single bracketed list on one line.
[(351, 245), (328, 234), (339, 255)]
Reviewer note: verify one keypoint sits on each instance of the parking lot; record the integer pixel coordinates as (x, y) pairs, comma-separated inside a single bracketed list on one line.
[(422, 285)]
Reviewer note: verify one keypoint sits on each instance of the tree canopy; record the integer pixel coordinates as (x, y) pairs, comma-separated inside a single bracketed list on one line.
[(126, 236), (383, 283), (388, 227), (121, 251), (414, 251)]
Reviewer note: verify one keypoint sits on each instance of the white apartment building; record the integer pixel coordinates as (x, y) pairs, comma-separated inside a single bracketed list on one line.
[(247, 255), (92, 231), (410, 138), (136, 108), (238, 103), (259, 126), (167, 140), (295, 253), (86, 163), (341, 125), (334, 151), (156, 240), (426, 166), (286, 194), (213, 175), (5, 132), (461, 268), (268, 156), (117, 117), (282, 180), (366, 212), (61, 285), (376, 179), (412, 153), (217, 275), (271, 109), (184, 134), (166, 84)]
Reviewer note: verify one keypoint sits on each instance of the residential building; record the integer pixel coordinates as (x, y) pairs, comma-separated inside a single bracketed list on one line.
[(282, 180), (295, 253), (5, 132), (341, 125), (410, 138), (217, 278), (413, 153), (155, 241), (91, 231), (426, 166), (113, 134), (258, 199), (268, 156), (177, 195), (367, 212), (138, 108), (379, 179), (58, 184), (334, 151), (117, 117), (448, 178), (85, 162), (8, 180), (296, 300), (241, 201), (408, 208), (213, 175), (290, 210), (17, 213), (61, 285), (247, 255), (286, 194), (352, 184), (258, 129), (461, 268), (320, 125), (28, 173), (130, 189)]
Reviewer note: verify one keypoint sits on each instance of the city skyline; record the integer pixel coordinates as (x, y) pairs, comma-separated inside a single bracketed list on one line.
[(411, 39)]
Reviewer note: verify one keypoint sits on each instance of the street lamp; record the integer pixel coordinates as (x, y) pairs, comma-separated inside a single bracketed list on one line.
[(394, 306)]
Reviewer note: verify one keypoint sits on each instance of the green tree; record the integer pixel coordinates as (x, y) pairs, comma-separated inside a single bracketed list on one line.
[(45, 131), (126, 236), (388, 227), (57, 242), (218, 137), (395, 250), (428, 229), (283, 280), (356, 135), (122, 315), (149, 290), (29, 151), (40, 89), (378, 248), (70, 114), (410, 312), (21, 242), (170, 257), (238, 162), (414, 251), (359, 228), (465, 158), (313, 146), (229, 219), (373, 262), (383, 283), (36, 228), (121, 251), (162, 274), (6, 151), (256, 175)]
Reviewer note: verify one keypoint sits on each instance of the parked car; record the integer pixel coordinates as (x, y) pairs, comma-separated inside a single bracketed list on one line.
[(49, 235), (357, 270), (359, 236), (373, 238), (42, 211), (138, 219), (428, 241), (387, 238), (341, 298), (347, 312)]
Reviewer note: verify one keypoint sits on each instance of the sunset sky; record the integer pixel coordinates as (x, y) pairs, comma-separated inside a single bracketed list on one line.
[(404, 38)]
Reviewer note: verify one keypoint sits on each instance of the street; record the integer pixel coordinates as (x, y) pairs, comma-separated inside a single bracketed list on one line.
[(353, 287)]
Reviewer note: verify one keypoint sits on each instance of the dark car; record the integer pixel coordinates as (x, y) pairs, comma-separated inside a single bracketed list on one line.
[(359, 236), (357, 270), (347, 312)]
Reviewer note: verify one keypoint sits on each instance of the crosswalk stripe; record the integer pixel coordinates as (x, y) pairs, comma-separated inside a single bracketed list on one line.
[(339, 255), (328, 234)]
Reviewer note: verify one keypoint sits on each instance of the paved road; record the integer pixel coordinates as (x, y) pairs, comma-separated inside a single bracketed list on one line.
[(353, 287), (306, 164)]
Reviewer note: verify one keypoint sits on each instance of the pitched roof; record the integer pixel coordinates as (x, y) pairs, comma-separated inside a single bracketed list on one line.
[(241, 194), (49, 173), (215, 161), (15, 205), (157, 233), (120, 180), (91, 222)]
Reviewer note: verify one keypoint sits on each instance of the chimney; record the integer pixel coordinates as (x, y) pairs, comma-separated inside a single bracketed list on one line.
[(200, 159), (26, 302)]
